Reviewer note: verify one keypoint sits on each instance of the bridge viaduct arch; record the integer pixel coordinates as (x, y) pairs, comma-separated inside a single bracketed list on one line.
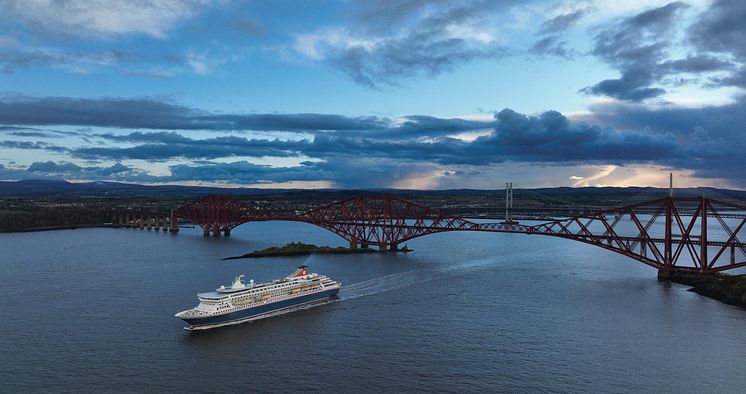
[(696, 235)]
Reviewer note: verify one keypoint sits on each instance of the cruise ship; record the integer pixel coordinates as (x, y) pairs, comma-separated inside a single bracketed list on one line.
[(241, 302)]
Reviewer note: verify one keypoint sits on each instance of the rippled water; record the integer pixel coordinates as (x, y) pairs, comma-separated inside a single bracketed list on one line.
[(92, 310)]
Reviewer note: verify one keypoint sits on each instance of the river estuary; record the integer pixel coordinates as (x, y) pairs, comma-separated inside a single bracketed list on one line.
[(92, 310)]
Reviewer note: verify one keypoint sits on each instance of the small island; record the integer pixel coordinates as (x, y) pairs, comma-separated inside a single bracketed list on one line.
[(730, 289), (300, 249)]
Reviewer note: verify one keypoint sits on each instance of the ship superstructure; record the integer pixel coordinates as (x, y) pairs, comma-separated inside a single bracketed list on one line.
[(241, 302)]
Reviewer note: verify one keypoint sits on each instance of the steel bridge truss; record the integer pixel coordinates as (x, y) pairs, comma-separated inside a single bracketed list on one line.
[(216, 214), (671, 234)]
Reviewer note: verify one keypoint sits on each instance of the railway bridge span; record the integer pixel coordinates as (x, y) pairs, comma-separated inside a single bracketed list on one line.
[(696, 235)]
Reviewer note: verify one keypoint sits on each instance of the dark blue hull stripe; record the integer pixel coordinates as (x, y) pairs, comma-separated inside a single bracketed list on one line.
[(257, 311)]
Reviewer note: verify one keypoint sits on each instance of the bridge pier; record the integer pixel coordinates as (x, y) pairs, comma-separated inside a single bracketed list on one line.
[(173, 222), (353, 245), (227, 232), (664, 274)]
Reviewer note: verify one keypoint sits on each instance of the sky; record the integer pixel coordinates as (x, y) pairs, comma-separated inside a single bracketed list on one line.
[(411, 94)]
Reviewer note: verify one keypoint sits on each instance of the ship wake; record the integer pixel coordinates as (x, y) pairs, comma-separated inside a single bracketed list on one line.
[(385, 283), (400, 280)]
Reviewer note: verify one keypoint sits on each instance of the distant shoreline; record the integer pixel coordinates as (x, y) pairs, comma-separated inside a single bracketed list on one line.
[(54, 228)]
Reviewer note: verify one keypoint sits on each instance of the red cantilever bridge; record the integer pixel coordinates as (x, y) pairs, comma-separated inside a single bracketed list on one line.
[(696, 235)]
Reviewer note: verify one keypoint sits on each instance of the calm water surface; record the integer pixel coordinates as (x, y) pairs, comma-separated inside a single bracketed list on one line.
[(92, 310)]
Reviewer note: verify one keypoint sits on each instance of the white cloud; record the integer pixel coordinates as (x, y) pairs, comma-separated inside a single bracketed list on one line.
[(101, 17), (204, 61), (470, 136), (470, 32), (198, 62), (315, 45)]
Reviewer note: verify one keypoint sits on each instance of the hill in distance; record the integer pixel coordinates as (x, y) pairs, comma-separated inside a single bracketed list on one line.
[(60, 189)]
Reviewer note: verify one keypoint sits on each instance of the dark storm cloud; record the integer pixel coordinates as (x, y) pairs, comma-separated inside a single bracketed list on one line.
[(37, 132), (363, 173), (355, 173), (412, 39), (561, 23), (635, 46), (725, 121), (298, 122), (171, 145), (551, 137), (708, 141), (117, 168), (345, 149), (322, 146), (53, 169), (355, 161), (551, 43), (639, 47), (713, 138), (32, 145), (22, 145), (430, 126), (696, 64), (415, 55), (343, 172), (548, 137), (240, 171), (148, 113), (632, 86), (552, 46), (721, 30)]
